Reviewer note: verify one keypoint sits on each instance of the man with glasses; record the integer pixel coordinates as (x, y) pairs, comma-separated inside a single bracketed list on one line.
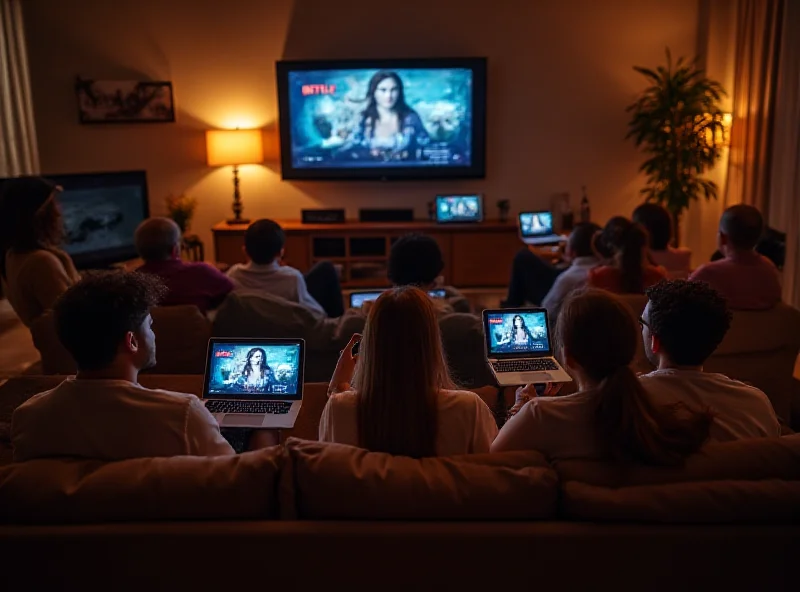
[(682, 325)]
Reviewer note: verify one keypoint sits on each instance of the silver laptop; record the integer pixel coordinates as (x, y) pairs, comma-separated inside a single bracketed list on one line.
[(254, 382), (536, 228), (357, 299), (519, 348)]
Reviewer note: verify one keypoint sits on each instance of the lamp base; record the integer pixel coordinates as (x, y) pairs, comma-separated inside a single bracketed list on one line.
[(237, 221)]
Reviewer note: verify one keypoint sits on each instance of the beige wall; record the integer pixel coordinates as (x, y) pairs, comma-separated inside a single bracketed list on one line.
[(559, 79)]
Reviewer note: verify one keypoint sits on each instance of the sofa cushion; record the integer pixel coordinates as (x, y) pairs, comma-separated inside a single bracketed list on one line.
[(335, 481), (771, 500), (740, 460), (55, 491)]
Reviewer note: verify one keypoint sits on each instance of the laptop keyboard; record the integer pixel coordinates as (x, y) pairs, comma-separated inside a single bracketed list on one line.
[(530, 365), (271, 407)]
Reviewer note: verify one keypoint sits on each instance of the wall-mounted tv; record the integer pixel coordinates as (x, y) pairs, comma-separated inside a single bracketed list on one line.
[(383, 119)]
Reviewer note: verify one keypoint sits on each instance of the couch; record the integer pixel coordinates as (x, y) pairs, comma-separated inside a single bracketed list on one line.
[(311, 515), (761, 348)]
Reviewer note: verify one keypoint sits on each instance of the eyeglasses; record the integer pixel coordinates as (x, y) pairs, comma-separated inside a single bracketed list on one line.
[(644, 323)]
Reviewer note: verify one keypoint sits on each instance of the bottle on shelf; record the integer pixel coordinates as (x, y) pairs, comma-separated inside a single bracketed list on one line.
[(586, 211)]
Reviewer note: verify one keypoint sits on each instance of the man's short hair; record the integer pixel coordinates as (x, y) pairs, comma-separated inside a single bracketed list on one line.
[(581, 239), (658, 223), (93, 316), (743, 225), (156, 238), (415, 260), (690, 320), (263, 241)]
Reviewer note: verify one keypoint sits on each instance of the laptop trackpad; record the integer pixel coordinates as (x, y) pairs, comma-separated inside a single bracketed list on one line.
[(242, 420)]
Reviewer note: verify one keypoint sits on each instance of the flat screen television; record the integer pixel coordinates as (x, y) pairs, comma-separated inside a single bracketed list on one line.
[(101, 212), (383, 119)]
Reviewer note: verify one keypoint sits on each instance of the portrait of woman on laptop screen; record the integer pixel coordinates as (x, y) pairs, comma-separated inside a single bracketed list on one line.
[(244, 369), (515, 333)]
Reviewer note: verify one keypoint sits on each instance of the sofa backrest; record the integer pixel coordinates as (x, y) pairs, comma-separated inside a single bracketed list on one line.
[(182, 334)]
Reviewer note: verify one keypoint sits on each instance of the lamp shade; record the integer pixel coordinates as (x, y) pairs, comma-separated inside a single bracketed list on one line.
[(224, 147)]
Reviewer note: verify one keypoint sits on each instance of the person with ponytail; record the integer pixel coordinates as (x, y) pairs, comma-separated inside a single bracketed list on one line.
[(611, 417), (34, 271), (396, 394), (629, 270)]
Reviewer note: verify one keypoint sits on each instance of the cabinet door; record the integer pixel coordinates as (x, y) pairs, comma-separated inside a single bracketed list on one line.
[(483, 258), (297, 252), (229, 248)]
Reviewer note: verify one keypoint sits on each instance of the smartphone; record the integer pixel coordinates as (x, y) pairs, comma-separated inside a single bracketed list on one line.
[(354, 351), (437, 293)]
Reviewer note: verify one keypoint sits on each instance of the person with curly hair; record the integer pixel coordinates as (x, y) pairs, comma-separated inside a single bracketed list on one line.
[(682, 325), (103, 412)]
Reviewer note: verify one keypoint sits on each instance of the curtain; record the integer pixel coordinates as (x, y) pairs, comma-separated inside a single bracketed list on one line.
[(18, 150), (758, 43), (784, 197)]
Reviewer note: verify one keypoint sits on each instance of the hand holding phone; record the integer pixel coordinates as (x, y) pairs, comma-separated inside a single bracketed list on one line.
[(343, 374)]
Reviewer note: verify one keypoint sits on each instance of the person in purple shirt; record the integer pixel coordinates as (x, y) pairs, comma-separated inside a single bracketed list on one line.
[(158, 242), (746, 279)]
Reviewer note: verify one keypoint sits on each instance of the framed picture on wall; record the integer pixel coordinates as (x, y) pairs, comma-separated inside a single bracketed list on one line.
[(124, 101)]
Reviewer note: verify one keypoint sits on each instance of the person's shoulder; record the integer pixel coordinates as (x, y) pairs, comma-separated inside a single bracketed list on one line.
[(40, 259), (706, 269), (343, 399), (460, 398), (166, 396)]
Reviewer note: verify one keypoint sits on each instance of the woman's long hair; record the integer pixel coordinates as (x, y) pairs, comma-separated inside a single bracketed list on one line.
[(400, 107), (599, 333), (29, 216), (400, 371), (628, 242)]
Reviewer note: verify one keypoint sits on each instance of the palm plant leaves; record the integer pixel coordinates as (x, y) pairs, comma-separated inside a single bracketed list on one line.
[(676, 122)]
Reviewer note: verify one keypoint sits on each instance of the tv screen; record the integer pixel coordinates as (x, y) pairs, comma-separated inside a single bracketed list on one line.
[(101, 212), (382, 119)]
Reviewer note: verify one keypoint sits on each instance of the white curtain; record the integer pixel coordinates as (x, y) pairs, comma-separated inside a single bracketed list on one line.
[(784, 211), (19, 154)]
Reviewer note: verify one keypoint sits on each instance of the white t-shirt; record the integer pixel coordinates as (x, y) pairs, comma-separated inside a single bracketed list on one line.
[(564, 428), (273, 278), (465, 423), (740, 411), (113, 420)]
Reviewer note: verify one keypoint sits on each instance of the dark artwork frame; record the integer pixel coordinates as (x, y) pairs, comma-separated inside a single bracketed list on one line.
[(124, 101)]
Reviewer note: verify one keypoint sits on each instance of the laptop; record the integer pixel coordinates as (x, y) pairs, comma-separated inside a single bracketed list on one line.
[(359, 298), (459, 208), (536, 228), (254, 382), (519, 347)]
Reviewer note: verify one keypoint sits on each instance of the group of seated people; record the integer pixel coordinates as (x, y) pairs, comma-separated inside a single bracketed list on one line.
[(396, 395)]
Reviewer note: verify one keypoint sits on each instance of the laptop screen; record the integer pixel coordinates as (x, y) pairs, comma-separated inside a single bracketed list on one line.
[(254, 369), (359, 298), (516, 332), (459, 208), (536, 223)]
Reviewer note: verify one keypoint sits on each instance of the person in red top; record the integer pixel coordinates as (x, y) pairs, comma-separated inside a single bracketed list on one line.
[(158, 242), (629, 270), (747, 280)]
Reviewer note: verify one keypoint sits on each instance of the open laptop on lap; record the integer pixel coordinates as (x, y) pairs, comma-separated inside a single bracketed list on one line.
[(536, 228), (254, 382), (519, 347)]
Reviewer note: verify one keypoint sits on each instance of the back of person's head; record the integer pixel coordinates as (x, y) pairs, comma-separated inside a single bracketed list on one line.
[(657, 220), (608, 236), (598, 335), (627, 241), (742, 225), (581, 239), (688, 319), (29, 216), (400, 371), (263, 241), (94, 317), (415, 260), (157, 239)]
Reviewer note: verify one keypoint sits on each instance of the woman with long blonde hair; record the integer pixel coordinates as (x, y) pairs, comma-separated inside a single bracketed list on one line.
[(396, 394)]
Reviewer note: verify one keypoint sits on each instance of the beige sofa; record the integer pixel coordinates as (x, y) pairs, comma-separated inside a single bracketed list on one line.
[(314, 515), (761, 349)]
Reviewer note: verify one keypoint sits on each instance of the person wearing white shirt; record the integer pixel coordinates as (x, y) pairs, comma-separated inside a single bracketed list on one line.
[(582, 257), (682, 325), (319, 290), (396, 395), (103, 412)]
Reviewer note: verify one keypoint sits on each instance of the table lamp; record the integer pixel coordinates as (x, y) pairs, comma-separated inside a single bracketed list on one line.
[(234, 147)]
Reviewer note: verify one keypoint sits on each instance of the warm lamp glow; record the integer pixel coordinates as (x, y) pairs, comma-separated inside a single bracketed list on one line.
[(234, 147)]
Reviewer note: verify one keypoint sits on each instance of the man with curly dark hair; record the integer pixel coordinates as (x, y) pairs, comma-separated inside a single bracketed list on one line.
[(104, 322), (682, 325)]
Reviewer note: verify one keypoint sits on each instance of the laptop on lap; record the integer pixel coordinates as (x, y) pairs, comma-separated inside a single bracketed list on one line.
[(536, 228), (254, 382), (519, 347)]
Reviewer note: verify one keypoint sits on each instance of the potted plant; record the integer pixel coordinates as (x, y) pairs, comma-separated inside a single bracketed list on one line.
[(181, 209), (677, 123)]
